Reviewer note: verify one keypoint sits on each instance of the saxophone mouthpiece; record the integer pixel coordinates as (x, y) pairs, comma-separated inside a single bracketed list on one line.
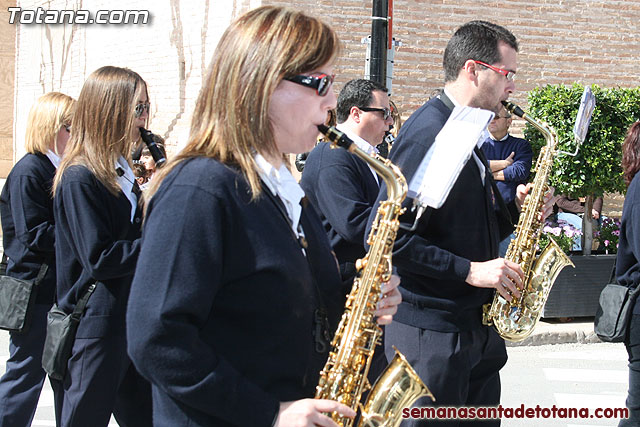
[(335, 136), (513, 109)]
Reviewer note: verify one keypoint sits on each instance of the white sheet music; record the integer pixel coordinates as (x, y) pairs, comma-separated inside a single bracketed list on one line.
[(451, 150), (587, 105)]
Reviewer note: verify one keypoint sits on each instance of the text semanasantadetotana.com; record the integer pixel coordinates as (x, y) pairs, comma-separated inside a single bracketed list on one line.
[(499, 412)]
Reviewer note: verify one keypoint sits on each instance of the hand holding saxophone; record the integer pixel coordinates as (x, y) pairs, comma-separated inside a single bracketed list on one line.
[(503, 275), (548, 201), (388, 304), (309, 413)]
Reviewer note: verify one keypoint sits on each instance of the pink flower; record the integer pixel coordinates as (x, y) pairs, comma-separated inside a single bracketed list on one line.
[(606, 243)]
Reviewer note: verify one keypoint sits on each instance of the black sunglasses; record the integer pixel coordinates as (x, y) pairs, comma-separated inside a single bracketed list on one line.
[(386, 113), (320, 83), (140, 109)]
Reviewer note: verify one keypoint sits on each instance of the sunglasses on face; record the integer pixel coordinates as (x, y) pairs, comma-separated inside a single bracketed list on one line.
[(386, 113), (141, 108), (320, 83)]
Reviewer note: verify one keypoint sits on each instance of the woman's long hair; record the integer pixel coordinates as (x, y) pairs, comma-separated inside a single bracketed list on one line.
[(631, 153), (231, 122), (102, 124), (47, 116)]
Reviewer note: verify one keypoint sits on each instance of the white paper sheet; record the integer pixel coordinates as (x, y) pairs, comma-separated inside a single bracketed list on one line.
[(451, 150)]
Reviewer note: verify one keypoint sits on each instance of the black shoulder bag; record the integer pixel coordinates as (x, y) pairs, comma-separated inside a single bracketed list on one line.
[(17, 297), (61, 334), (614, 310)]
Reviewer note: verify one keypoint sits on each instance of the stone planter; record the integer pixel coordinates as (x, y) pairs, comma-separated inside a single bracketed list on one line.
[(576, 291)]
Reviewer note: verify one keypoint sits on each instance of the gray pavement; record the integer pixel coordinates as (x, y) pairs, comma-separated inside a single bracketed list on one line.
[(553, 331)]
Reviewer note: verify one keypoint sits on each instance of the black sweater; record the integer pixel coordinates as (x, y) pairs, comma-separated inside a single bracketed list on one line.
[(433, 261), (628, 259), (220, 316), (95, 241), (26, 208)]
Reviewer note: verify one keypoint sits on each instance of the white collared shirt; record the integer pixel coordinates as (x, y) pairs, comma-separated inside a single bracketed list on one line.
[(481, 140), (284, 185), (363, 145), (54, 158), (499, 140), (126, 183)]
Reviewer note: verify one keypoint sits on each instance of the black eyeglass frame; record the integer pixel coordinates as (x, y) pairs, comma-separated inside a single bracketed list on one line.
[(320, 83), (386, 112)]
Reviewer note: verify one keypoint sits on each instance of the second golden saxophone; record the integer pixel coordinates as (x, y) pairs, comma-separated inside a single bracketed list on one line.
[(344, 377), (516, 320)]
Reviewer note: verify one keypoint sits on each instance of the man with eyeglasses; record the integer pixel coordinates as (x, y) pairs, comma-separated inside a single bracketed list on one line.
[(509, 159), (449, 264), (342, 187)]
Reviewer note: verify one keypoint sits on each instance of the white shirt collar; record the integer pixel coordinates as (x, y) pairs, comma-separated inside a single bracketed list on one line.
[(283, 184), (126, 181), (363, 145), (360, 142), (502, 139), (55, 159)]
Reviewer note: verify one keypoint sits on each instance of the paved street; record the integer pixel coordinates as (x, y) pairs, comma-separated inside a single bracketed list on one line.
[(566, 375)]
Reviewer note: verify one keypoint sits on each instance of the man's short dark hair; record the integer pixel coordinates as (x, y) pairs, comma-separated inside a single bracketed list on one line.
[(476, 40), (356, 93)]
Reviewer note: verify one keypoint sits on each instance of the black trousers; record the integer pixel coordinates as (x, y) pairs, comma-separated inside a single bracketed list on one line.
[(101, 380), (22, 382), (633, 349), (460, 368)]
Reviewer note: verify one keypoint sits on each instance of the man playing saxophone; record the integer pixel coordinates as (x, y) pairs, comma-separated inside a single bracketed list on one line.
[(449, 264)]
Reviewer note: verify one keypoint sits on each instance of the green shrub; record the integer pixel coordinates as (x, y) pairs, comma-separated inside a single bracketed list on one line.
[(596, 169)]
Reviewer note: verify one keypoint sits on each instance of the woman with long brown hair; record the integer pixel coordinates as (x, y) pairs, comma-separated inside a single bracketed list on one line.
[(230, 321), (628, 263), (26, 209), (97, 242)]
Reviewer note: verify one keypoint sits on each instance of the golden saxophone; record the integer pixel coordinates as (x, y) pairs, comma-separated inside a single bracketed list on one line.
[(516, 320), (344, 376)]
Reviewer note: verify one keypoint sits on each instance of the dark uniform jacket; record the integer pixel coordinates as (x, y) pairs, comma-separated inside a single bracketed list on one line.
[(95, 241), (433, 261), (221, 312), (26, 208), (343, 190)]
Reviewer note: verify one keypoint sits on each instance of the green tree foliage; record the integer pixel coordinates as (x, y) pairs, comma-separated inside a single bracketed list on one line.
[(597, 168)]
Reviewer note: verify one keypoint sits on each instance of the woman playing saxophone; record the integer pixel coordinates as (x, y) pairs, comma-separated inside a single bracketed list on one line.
[(231, 321)]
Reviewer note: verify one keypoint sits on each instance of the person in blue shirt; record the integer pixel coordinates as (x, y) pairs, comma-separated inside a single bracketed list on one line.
[(26, 209), (510, 161), (237, 292), (98, 219)]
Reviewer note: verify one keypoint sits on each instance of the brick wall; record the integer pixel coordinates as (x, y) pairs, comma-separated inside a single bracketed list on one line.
[(7, 81), (587, 41)]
